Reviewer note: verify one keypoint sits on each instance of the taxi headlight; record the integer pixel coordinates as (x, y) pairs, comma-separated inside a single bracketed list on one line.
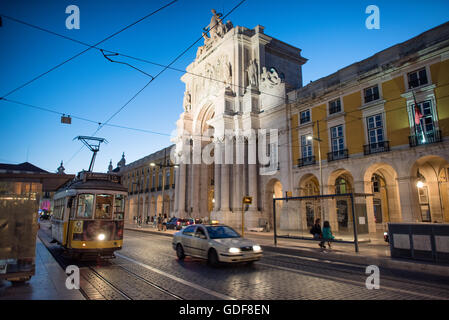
[(101, 236), (257, 248), (234, 250)]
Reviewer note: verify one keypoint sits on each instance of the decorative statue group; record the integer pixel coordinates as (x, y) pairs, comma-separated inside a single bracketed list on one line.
[(216, 29)]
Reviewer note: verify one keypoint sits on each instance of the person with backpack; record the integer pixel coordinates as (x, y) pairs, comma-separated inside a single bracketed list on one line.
[(317, 233), (327, 234)]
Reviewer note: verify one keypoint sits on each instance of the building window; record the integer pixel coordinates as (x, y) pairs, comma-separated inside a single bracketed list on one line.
[(426, 122), (160, 178), (424, 204), (371, 94), (167, 178), (417, 78), (337, 138), (375, 128), (306, 147), (375, 183), (304, 117), (422, 120), (335, 106), (153, 180)]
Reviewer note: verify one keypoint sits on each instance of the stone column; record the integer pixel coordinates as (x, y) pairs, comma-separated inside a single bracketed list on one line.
[(407, 196), (224, 188), (181, 186), (176, 191), (252, 172), (204, 191), (217, 174), (360, 187), (196, 173), (435, 202), (393, 201)]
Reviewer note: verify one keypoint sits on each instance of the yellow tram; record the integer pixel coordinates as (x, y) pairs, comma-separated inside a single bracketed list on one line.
[(88, 215)]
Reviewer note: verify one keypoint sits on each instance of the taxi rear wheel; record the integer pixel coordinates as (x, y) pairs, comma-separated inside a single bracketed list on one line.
[(212, 258), (180, 252)]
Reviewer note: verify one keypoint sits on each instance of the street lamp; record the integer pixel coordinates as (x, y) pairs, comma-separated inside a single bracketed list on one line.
[(310, 138)]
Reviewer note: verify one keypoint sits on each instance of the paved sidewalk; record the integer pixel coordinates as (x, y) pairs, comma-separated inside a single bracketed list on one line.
[(47, 284), (374, 253)]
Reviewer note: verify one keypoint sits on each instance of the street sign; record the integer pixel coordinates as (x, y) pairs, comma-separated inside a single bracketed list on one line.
[(247, 200)]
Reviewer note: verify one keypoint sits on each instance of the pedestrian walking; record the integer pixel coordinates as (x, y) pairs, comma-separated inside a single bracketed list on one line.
[(155, 221), (327, 234), (159, 222), (164, 223), (317, 233)]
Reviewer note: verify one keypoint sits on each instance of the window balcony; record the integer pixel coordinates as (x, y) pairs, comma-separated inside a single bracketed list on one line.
[(307, 161), (337, 155), (377, 147), (153, 189), (146, 190), (159, 188), (426, 138), (167, 186)]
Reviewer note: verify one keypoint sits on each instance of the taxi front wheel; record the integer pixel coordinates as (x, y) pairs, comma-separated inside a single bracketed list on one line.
[(212, 258), (180, 252)]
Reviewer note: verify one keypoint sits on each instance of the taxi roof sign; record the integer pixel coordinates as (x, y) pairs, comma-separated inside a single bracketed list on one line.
[(247, 200)]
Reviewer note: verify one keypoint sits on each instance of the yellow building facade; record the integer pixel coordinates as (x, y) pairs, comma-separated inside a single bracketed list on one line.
[(151, 183), (383, 129)]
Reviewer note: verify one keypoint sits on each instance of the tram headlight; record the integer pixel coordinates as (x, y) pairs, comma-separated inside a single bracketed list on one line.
[(101, 236)]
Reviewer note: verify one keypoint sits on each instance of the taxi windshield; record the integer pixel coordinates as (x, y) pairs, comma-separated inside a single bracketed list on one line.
[(221, 232)]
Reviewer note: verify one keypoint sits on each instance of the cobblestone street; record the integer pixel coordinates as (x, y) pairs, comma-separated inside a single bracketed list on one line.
[(147, 268)]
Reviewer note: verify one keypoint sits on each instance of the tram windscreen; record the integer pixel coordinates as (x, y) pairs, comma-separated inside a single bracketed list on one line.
[(85, 204), (103, 206), (119, 207)]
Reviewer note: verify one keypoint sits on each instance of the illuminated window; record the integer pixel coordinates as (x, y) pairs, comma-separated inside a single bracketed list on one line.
[(85, 206), (103, 206), (306, 147)]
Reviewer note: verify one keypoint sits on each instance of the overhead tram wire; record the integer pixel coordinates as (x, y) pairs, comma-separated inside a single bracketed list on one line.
[(154, 78), (83, 119), (116, 53), (166, 134), (169, 65), (80, 53)]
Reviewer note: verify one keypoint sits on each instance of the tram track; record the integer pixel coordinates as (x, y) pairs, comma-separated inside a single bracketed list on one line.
[(94, 281)]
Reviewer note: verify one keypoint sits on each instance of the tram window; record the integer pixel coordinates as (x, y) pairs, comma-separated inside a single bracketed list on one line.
[(58, 209), (103, 206), (119, 207), (85, 204)]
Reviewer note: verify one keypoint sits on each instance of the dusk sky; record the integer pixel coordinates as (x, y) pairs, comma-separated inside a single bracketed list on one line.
[(331, 34)]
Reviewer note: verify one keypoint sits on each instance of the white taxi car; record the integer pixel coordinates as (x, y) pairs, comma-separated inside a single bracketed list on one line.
[(216, 243)]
